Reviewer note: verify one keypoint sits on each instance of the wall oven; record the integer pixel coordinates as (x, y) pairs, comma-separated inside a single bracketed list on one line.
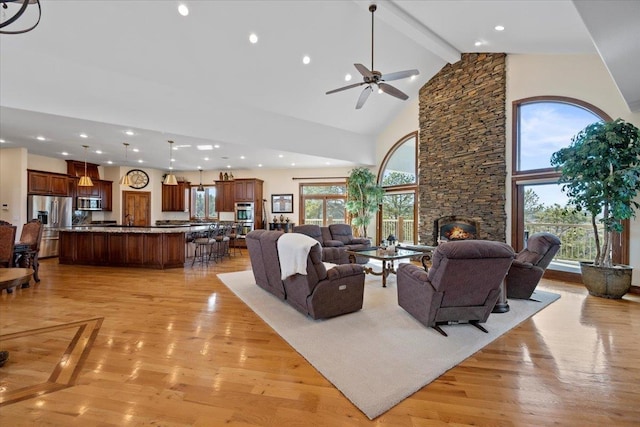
[(244, 211)]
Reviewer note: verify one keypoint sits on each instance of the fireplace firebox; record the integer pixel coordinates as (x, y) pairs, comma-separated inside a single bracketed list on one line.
[(448, 228)]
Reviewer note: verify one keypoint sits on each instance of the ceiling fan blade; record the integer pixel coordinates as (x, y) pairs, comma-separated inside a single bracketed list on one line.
[(364, 70), (390, 90), (399, 75), (363, 97), (345, 88)]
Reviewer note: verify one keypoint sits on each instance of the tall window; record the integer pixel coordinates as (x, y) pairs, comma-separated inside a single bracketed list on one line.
[(542, 126), (323, 204), (203, 203), (398, 176)]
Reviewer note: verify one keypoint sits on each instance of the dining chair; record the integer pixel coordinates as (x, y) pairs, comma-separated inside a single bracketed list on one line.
[(31, 236), (7, 241)]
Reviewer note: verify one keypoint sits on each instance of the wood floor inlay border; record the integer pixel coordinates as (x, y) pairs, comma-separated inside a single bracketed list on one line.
[(65, 372)]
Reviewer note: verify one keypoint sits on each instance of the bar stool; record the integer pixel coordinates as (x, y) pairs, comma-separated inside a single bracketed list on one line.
[(222, 240), (234, 249), (204, 245)]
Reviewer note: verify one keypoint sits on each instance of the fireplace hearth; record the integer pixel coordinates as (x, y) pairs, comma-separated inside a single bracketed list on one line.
[(449, 228)]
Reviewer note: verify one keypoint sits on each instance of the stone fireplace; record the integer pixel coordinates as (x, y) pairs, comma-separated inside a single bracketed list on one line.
[(462, 166), (448, 228)]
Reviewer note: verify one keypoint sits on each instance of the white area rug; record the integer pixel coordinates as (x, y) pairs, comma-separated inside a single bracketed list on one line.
[(379, 355)]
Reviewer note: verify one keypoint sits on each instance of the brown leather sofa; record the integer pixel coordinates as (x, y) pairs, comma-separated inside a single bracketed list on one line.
[(462, 285), (529, 265), (335, 240), (321, 293)]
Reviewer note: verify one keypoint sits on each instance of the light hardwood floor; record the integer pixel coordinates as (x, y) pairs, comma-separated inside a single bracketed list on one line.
[(118, 347)]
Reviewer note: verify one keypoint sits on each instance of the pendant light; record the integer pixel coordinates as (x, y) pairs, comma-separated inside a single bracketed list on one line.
[(200, 187), (85, 181), (125, 178), (170, 179)]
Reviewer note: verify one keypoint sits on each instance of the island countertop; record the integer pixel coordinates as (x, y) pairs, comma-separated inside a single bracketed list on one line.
[(145, 247), (157, 229)]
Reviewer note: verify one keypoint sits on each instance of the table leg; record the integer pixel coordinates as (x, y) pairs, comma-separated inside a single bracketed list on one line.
[(502, 305)]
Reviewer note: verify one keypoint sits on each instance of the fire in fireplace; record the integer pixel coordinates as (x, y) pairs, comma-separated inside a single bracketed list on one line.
[(449, 228)]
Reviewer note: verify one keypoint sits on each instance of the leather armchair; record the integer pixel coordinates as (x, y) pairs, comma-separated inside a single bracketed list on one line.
[(530, 264), (462, 285), (321, 293)]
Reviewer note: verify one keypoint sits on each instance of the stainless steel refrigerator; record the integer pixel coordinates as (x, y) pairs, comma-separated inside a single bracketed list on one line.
[(55, 212)]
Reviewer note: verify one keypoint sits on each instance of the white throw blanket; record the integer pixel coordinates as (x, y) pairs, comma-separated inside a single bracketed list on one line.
[(293, 250)]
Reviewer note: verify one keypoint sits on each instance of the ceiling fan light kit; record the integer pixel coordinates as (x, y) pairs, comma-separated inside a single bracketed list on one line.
[(373, 77)]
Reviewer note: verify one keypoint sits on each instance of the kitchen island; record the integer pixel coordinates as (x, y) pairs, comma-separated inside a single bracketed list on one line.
[(144, 247)]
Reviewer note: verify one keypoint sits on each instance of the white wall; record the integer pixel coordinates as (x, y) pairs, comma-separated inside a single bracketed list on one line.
[(13, 186), (583, 77)]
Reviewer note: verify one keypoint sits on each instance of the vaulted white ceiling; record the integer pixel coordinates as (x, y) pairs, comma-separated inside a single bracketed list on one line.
[(104, 67)]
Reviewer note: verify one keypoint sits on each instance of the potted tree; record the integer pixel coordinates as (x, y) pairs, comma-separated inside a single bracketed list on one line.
[(364, 196), (600, 172)]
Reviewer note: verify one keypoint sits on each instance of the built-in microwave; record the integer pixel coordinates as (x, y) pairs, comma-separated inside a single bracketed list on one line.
[(89, 203)]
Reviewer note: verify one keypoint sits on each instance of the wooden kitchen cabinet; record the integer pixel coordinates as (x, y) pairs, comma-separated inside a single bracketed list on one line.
[(225, 196), (93, 191), (47, 183), (244, 190), (176, 198), (106, 193)]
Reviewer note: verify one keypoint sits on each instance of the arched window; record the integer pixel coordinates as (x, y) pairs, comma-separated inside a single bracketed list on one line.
[(398, 175), (542, 126)]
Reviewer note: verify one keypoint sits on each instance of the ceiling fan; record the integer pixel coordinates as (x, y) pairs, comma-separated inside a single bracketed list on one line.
[(372, 77)]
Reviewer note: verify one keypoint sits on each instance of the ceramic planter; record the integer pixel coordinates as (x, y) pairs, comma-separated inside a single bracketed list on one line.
[(607, 282)]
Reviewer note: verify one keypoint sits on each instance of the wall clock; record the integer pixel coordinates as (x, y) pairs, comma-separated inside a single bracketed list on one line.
[(138, 178)]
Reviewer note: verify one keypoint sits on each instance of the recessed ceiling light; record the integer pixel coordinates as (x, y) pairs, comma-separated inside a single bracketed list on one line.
[(109, 162), (228, 166), (499, 28), (280, 155), (129, 132), (173, 160), (84, 135), (347, 78), (216, 146), (170, 168), (293, 164), (413, 77), (306, 59), (204, 147), (253, 38), (136, 150), (478, 43), (98, 151), (64, 153), (328, 163), (183, 9), (2, 141), (259, 165), (41, 138), (206, 159), (199, 167), (242, 157), (140, 161)]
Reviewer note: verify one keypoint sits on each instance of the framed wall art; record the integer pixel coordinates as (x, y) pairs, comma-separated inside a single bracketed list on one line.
[(281, 203)]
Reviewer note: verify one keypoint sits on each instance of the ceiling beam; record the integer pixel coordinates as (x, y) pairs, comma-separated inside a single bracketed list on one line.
[(407, 24)]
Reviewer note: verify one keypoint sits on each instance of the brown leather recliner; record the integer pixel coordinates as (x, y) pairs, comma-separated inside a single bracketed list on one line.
[(462, 285), (321, 293), (529, 265), (344, 233), (333, 251)]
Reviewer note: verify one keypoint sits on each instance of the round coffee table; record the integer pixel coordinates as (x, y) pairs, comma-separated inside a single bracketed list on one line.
[(12, 277)]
